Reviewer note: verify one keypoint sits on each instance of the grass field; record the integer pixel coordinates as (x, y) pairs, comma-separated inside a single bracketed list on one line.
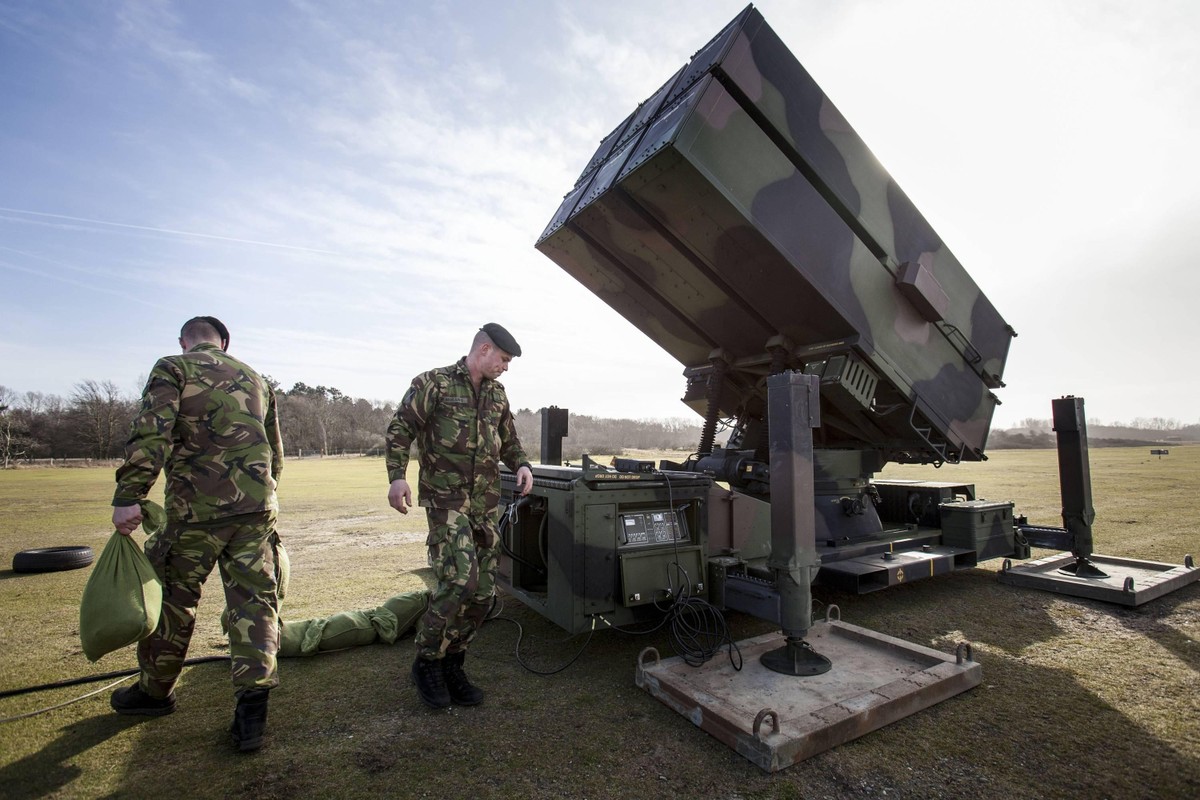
[(1079, 698)]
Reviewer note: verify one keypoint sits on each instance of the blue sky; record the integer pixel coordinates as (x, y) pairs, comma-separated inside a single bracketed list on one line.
[(355, 187)]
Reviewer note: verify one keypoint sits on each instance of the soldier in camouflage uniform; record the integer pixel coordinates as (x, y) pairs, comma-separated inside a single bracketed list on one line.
[(209, 421), (460, 420)]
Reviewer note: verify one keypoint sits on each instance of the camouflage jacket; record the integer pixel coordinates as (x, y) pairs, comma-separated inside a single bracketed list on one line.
[(211, 421), (461, 438)]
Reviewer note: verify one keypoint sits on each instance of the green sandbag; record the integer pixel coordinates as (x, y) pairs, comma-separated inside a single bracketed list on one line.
[(123, 597), (300, 638), (386, 623), (307, 637), (347, 629), (407, 608)]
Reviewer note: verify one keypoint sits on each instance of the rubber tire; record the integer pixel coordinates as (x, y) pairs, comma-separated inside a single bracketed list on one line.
[(52, 559)]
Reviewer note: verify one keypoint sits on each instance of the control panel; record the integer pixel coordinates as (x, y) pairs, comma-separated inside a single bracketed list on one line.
[(655, 527)]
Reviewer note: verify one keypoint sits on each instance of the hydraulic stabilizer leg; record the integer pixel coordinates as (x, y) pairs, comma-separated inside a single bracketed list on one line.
[(796, 657), (792, 413), (1075, 484), (713, 395)]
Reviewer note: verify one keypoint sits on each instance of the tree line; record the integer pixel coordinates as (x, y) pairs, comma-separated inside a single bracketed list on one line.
[(93, 423), (1033, 433), (1155, 424)]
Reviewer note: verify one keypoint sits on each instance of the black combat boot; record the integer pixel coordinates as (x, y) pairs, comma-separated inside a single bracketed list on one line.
[(250, 720), (461, 689), (430, 679), (133, 700)]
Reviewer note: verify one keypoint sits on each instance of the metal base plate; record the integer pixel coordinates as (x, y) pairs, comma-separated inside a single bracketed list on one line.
[(1130, 582), (778, 720)]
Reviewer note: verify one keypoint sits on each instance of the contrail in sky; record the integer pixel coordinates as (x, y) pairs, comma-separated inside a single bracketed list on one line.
[(170, 231), (73, 282)]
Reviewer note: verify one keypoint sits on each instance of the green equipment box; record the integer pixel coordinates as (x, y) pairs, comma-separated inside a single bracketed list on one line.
[(980, 525), (595, 544)]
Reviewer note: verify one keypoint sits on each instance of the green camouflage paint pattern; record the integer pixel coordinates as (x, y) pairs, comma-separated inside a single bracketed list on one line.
[(462, 438), (211, 422), (464, 553), (243, 548), (736, 216)]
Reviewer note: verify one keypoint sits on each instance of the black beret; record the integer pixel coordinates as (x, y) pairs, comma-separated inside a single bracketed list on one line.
[(502, 338), (221, 330), (217, 326)]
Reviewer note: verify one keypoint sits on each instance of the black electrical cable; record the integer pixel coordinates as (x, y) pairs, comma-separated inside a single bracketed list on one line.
[(698, 629), (104, 676), (521, 635), (698, 632), (507, 524)]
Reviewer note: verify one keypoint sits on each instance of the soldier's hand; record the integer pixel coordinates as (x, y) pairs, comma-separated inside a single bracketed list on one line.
[(400, 495), (524, 480), (127, 518)]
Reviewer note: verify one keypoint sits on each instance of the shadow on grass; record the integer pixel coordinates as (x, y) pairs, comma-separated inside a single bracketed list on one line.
[(427, 576), (9, 574), (349, 724), (1149, 620), (50, 769), (1027, 731), (1013, 618)]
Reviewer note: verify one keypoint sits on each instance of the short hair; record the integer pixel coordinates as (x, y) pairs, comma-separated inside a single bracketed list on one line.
[(480, 340), (204, 329), (499, 336)]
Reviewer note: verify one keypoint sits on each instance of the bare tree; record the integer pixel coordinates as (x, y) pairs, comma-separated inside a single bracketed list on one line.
[(323, 420), (48, 426), (12, 434), (101, 416)]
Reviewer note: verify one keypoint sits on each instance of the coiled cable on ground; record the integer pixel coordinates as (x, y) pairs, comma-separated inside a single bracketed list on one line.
[(697, 630)]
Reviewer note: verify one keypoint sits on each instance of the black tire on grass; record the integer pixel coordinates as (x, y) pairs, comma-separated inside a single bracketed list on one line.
[(52, 559)]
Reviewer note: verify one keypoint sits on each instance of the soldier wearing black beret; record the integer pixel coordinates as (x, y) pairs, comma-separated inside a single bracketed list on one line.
[(460, 420)]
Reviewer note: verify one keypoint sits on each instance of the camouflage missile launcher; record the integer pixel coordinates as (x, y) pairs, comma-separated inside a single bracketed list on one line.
[(738, 220)]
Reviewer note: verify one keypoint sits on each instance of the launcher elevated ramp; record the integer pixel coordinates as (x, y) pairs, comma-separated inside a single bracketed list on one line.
[(738, 220)]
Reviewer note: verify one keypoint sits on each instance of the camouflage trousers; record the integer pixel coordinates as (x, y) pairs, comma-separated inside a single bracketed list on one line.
[(464, 552), (183, 555)]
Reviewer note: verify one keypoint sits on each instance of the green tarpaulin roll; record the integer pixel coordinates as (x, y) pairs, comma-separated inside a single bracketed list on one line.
[(386, 623)]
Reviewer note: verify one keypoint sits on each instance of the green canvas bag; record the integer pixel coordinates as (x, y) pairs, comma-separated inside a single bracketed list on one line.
[(123, 596)]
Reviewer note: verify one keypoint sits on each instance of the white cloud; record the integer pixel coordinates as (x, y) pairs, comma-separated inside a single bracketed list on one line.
[(426, 147)]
